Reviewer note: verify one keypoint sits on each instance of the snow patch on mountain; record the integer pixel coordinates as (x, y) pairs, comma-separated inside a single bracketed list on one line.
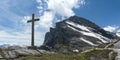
[(86, 41), (118, 33), (94, 35), (77, 25), (87, 32)]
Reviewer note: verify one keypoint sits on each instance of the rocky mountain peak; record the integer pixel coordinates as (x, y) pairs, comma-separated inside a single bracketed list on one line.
[(76, 32), (80, 21)]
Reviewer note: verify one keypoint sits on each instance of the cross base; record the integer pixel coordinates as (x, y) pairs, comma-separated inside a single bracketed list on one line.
[(32, 47)]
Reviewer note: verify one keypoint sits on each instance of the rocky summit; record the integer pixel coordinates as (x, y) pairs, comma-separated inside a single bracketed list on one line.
[(75, 33)]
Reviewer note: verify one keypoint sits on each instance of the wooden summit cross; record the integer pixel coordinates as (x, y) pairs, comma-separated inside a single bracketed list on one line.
[(32, 36)]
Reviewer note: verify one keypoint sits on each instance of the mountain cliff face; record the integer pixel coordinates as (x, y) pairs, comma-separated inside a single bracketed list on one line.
[(76, 32)]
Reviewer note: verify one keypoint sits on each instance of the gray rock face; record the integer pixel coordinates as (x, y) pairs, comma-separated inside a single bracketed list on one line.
[(20, 53), (74, 33)]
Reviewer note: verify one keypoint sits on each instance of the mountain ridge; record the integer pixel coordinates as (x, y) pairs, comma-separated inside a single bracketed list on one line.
[(76, 32)]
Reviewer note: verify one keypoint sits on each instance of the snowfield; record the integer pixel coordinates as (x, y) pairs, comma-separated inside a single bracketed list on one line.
[(87, 32), (88, 42)]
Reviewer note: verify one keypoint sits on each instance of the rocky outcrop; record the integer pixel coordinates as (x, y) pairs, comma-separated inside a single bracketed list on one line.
[(74, 33)]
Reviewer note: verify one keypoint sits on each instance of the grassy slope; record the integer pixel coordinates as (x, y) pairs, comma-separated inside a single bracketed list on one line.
[(84, 56)]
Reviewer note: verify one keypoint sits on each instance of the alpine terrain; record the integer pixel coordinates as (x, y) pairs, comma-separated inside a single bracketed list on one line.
[(74, 38), (76, 33)]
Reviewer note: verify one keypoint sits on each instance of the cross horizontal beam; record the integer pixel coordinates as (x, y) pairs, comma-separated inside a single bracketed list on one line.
[(34, 20)]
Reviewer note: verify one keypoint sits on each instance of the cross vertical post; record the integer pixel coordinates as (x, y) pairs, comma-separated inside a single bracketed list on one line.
[(32, 36), (32, 42)]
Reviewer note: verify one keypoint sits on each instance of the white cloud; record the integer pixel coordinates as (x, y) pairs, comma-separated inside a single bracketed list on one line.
[(48, 10), (111, 28), (25, 18), (114, 29), (22, 35), (12, 11), (64, 7), (46, 19), (20, 38)]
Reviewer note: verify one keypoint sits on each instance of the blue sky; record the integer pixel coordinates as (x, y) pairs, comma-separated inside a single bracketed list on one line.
[(14, 14), (102, 12)]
